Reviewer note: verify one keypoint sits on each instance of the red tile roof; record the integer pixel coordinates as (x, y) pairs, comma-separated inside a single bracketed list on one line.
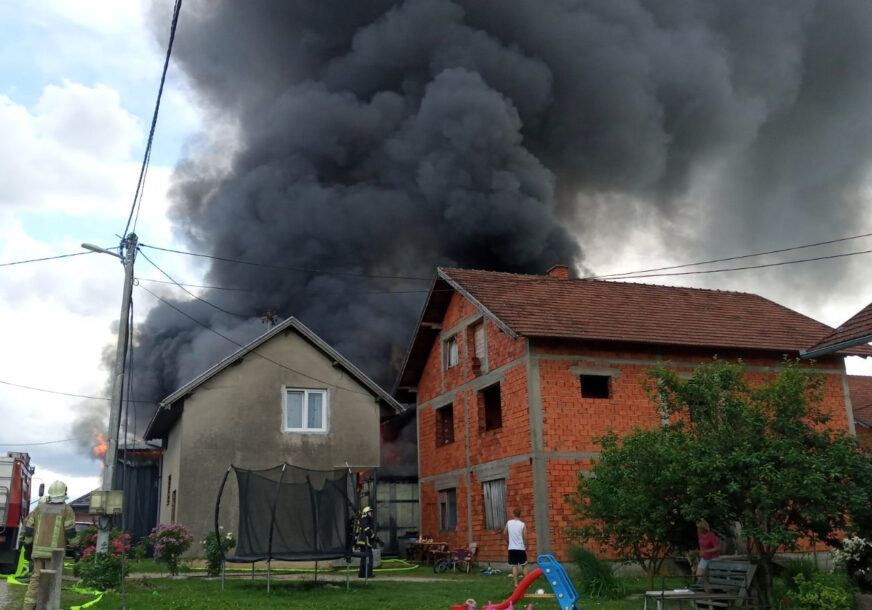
[(856, 330), (543, 306), (860, 387)]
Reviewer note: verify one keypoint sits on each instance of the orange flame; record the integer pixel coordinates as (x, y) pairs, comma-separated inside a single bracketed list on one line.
[(100, 448)]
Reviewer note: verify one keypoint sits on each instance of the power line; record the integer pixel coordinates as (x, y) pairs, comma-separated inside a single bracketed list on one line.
[(167, 275), (253, 290), (137, 197), (47, 258), (289, 267), (760, 266), (730, 258), (256, 353), (27, 387), (66, 440)]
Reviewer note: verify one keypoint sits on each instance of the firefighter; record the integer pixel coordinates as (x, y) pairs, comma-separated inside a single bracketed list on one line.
[(47, 528), (366, 538)]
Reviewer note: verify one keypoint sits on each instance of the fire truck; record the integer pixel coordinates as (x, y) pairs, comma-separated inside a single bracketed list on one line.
[(15, 477)]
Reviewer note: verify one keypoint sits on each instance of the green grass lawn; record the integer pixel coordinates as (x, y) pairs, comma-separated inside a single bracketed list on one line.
[(422, 591)]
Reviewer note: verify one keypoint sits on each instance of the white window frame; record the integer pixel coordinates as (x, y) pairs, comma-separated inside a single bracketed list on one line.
[(325, 411)]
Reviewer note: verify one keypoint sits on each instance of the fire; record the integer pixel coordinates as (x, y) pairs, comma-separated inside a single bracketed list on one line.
[(100, 448)]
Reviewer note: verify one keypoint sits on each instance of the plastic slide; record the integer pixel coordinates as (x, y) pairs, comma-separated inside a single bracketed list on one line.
[(514, 597), (564, 591)]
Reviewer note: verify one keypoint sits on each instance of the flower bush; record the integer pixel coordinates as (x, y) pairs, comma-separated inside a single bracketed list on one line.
[(170, 541), (216, 546), (855, 557), (101, 571)]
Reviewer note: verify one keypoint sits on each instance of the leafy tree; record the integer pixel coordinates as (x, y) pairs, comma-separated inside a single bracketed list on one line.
[(763, 455), (632, 500)]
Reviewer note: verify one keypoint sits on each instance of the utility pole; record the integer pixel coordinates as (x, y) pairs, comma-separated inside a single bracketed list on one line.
[(110, 459)]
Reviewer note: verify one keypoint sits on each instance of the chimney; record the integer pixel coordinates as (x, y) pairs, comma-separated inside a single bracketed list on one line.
[(561, 272)]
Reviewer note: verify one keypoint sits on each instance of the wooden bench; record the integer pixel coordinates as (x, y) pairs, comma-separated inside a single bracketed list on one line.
[(724, 584), (728, 583)]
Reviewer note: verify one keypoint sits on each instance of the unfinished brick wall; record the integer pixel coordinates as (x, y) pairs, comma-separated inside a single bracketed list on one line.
[(571, 422)]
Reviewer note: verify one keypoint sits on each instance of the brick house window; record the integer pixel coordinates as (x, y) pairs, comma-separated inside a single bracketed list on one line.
[(445, 425), (450, 352), (494, 503), (304, 411), (479, 353), (595, 386), (447, 510), (492, 407)]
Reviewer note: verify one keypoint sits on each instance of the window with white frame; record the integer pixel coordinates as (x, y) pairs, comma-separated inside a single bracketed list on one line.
[(304, 410), (494, 503)]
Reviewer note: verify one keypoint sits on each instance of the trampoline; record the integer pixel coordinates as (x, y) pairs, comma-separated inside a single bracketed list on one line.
[(288, 513)]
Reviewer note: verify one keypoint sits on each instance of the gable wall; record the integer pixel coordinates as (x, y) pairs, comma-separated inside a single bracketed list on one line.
[(548, 428), (236, 418)]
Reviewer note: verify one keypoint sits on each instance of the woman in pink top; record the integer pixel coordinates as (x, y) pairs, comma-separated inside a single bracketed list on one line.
[(709, 545)]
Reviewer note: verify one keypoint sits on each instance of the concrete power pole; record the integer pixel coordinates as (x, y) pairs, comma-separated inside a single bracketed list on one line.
[(111, 458)]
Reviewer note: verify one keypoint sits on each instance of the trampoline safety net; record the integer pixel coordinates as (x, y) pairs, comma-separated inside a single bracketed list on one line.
[(292, 514)]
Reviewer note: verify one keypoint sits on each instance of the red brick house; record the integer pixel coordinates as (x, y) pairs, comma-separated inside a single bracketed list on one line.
[(515, 375), (861, 403)]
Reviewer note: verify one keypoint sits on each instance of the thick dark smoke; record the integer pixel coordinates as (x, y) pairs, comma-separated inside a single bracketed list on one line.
[(371, 141)]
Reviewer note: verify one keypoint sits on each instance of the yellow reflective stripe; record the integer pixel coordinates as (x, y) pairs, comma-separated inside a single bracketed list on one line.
[(56, 533)]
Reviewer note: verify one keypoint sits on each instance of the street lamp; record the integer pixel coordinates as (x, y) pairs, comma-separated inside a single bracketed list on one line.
[(111, 456)]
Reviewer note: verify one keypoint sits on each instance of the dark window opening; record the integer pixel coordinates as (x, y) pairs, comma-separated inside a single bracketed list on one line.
[(445, 425), (595, 386), (493, 414), (448, 510)]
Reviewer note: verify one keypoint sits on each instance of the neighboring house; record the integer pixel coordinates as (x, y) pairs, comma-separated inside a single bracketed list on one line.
[(80, 506), (514, 377), (285, 397), (861, 402)]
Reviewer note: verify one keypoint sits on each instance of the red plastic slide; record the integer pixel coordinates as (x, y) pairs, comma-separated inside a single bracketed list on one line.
[(513, 598)]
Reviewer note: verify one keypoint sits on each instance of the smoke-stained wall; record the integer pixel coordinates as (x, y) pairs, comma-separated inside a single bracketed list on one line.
[(355, 145)]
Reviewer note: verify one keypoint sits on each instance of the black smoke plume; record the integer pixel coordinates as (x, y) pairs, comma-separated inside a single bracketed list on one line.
[(367, 142)]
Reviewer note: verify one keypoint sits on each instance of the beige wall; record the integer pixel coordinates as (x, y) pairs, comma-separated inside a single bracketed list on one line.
[(236, 418)]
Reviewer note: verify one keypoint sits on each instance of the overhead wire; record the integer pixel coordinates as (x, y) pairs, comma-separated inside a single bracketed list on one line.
[(27, 387), (140, 185), (240, 345), (171, 279), (46, 258), (290, 267), (733, 258), (744, 268)]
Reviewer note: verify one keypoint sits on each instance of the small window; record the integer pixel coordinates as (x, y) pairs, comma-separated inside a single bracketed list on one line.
[(173, 508), (494, 503), (447, 510), (305, 411), (445, 425), (493, 414), (450, 352), (169, 487), (595, 386)]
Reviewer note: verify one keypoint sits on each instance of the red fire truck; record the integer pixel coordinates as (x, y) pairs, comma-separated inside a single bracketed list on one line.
[(15, 477)]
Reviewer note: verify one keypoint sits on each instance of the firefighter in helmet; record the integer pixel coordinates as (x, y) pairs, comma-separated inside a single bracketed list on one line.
[(47, 528), (366, 538)]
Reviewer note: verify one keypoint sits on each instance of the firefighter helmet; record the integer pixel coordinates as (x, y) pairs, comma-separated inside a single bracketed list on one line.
[(366, 510), (57, 492)]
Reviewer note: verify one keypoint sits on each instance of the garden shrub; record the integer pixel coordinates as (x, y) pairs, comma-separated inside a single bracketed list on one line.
[(597, 576), (170, 541), (216, 546), (819, 592), (101, 571)]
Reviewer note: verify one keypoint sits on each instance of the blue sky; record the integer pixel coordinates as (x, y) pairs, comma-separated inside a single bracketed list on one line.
[(78, 83)]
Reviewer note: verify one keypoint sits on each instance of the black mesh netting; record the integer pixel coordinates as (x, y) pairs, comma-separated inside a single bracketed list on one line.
[(292, 514)]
